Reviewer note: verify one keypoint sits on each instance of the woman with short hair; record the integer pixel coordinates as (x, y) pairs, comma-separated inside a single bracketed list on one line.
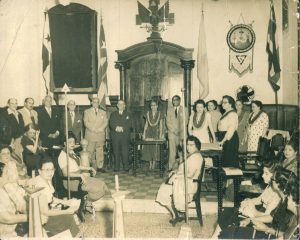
[(258, 124)]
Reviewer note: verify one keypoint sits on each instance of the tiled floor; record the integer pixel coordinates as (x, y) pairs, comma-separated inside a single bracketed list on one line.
[(145, 185)]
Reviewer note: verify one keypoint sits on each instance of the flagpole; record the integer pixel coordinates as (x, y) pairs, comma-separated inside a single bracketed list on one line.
[(66, 90), (184, 159)]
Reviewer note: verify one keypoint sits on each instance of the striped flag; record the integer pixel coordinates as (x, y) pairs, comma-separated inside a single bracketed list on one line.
[(273, 52), (47, 56), (102, 70), (202, 63)]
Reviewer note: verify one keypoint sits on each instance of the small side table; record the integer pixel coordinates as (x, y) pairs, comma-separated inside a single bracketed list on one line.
[(162, 146)]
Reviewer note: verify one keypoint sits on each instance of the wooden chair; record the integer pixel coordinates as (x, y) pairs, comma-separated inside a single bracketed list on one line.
[(196, 203)]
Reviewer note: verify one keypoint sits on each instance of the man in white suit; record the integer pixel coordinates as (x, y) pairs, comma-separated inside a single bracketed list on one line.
[(175, 127), (95, 121), (28, 113)]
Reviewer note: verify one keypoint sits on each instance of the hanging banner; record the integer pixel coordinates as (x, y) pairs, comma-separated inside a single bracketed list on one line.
[(241, 39)]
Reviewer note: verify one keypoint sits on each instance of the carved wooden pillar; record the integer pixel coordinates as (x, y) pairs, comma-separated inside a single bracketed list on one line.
[(122, 66), (187, 65)]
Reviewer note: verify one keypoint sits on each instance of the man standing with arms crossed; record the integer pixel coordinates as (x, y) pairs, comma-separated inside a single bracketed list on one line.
[(95, 120)]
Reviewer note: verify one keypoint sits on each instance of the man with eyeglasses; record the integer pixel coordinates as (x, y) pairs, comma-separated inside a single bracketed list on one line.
[(120, 124)]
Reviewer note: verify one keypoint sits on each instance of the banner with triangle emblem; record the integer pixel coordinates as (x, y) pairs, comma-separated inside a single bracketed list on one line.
[(241, 39)]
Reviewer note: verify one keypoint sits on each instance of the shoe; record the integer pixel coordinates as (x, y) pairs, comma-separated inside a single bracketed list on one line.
[(101, 170), (173, 221)]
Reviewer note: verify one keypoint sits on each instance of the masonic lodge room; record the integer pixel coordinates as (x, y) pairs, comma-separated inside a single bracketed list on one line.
[(149, 119)]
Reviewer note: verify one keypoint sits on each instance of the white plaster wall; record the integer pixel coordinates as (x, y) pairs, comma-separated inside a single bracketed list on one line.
[(20, 58)]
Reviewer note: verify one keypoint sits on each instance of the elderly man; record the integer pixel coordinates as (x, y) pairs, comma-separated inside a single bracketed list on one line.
[(74, 121), (174, 122), (120, 124), (29, 115), (95, 121), (49, 124), (12, 126)]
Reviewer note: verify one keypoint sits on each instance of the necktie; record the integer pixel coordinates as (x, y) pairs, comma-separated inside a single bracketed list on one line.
[(49, 111), (120, 113), (32, 118), (16, 116), (72, 117), (176, 112), (96, 111)]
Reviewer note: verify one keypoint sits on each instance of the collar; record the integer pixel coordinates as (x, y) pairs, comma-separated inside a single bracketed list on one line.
[(11, 112)]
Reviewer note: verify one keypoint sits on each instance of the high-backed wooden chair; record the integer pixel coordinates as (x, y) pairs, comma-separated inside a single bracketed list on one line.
[(196, 203)]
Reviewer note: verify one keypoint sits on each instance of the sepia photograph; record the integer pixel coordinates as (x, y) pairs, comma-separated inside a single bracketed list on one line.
[(149, 119)]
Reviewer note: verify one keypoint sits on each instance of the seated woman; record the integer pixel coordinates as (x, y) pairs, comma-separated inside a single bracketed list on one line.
[(59, 220), (290, 153), (95, 187), (259, 206), (200, 123), (5, 157), (271, 225), (32, 150), (171, 194), (12, 203)]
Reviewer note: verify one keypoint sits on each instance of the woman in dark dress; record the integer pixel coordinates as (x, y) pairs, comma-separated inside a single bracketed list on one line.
[(153, 130), (33, 151), (228, 136)]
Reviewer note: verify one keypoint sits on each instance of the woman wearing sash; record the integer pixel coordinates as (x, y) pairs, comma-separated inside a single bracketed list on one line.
[(258, 124), (153, 130), (242, 127), (229, 139), (200, 123)]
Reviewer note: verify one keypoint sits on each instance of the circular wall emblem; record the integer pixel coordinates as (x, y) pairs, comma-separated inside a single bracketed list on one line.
[(241, 38)]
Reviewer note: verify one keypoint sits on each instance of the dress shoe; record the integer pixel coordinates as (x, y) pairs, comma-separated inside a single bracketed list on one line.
[(81, 209), (101, 170), (173, 221)]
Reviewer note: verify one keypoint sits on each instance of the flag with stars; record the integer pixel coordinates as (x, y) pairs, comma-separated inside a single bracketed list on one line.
[(273, 52), (102, 70), (47, 56)]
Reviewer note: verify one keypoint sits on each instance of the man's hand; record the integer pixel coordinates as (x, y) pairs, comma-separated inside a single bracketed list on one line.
[(260, 226), (94, 172), (245, 222)]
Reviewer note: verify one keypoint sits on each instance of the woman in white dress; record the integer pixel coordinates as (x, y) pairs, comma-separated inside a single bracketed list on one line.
[(258, 124), (200, 123)]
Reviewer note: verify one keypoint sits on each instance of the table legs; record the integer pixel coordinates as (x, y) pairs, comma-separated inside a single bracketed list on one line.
[(135, 159)]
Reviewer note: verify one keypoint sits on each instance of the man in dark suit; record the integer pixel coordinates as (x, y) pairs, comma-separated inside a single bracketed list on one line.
[(49, 124), (74, 121), (12, 126), (120, 124)]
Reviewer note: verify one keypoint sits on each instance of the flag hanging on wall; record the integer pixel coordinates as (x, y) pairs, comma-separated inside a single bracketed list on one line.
[(47, 56), (202, 64), (102, 70), (273, 51)]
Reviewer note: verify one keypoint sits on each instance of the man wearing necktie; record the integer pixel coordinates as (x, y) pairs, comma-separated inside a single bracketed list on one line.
[(28, 113), (49, 124), (120, 124), (174, 122), (95, 121), (74, 121), (12, 126)]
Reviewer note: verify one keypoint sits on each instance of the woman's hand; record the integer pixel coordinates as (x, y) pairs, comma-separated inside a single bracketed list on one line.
[(260, 226), (93, 171), (245, 222)]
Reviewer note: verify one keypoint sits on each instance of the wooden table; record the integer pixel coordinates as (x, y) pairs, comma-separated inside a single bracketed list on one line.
[(214, 151), (162, 146)]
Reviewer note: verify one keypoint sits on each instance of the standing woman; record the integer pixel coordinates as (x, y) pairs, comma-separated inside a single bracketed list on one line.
[(153, 130), (200, 123), (229, 139), (242, 127), (258, 124), (212, 108)]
